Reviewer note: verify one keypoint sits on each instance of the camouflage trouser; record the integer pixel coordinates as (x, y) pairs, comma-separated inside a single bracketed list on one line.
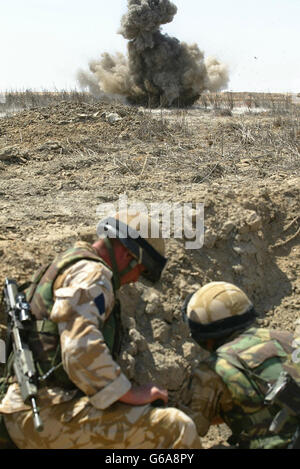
[(78, 425)]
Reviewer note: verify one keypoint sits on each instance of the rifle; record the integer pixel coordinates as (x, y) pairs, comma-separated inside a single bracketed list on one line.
[(19, 317), (286, 394)]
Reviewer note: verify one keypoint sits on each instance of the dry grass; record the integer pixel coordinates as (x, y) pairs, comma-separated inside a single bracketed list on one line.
[(274, 102), (12, 101), (210, 140), (28, 99)]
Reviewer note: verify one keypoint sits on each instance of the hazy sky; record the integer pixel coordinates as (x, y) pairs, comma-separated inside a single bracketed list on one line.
[(43, 43)]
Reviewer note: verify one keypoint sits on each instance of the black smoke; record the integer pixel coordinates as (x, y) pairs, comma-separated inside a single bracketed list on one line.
[(159, 70)]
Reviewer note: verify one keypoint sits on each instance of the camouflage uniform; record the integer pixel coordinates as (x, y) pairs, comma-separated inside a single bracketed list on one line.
[(79, 400), (221, 389), (297, 334), (230, 385)]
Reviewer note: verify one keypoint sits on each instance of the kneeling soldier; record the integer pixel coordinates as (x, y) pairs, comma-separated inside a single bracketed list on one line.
[(249, 380), (84, 398)]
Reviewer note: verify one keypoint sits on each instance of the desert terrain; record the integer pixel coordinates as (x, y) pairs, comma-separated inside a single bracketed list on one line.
[(63, 156)]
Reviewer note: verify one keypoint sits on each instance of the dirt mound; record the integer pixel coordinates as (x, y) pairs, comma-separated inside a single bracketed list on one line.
[(251, 240), (64, 128), (59, 163)]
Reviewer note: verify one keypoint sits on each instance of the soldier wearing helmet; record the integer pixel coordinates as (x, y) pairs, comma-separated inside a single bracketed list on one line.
[(85, 399), (240, 383)]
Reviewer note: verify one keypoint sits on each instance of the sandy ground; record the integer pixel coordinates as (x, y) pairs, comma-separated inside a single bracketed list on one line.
[(60, 164)]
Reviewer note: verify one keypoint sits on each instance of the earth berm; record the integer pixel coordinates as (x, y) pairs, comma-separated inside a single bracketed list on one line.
[(59, 164)]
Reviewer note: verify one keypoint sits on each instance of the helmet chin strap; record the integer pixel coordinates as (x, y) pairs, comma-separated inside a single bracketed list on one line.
[(116, 274)]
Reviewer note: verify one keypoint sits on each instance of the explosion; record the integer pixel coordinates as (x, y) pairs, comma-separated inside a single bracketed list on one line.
[(159, 70)]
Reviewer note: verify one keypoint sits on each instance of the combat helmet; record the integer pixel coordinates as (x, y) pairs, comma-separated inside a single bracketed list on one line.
[(134, 230), (217, 310)]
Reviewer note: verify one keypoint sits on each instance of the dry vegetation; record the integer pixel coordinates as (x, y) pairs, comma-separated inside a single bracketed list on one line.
[(61, 155)]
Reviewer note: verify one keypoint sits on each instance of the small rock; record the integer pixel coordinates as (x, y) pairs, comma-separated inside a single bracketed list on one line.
[(128, 364), (210, 239), (151, 296), (51, 145), (132, 349), (259, 258), (254, 221), (231, 194), (249, 248), (112, 117), (238, 269), (189, 350), (83, 116), (161, 331), (168, 313), (151, 308), (124, 135), (87, 235), (137, 338), (244, 228), (227, 228), (9, 152), (237, 250), (183, 285), (245, 248), (195, 286), (65, 122), (153, 301), (128, 322)]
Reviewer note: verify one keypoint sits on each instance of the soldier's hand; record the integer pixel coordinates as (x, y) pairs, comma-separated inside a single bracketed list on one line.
[(143, 395)]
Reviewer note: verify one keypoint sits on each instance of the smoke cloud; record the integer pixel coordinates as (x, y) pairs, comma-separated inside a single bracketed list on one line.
[(159, 70)]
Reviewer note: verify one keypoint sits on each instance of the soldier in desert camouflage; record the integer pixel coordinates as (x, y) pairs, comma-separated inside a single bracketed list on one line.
[(84, 398), (243, 362)]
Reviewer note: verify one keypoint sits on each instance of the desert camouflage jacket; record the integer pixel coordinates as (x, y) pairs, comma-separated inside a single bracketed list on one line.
[(79, 306), (220, 388)]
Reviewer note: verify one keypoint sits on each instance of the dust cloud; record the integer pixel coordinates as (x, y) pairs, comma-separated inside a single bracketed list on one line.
[(159, 70)]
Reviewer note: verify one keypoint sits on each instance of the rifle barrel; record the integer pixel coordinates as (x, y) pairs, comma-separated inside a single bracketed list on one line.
[(38, 425)]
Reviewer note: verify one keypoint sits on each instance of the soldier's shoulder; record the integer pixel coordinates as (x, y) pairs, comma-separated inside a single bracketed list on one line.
[(205, 376), (83, 245)]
